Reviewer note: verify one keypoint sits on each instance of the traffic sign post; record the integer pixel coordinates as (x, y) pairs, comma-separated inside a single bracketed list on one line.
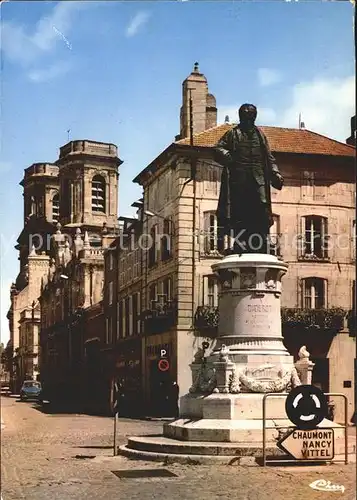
[(301, 442)]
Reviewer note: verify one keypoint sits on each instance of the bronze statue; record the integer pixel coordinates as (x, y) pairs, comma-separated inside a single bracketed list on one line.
[(249, 169)]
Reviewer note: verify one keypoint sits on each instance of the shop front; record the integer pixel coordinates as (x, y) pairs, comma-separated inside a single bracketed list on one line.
[(160, 374)]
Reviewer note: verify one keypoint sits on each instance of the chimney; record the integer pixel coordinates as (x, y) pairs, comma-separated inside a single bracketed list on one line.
[(204, 110), (352, 139)]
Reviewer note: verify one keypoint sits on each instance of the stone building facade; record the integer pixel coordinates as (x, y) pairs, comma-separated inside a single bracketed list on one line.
[(70, 216), (313, 232)]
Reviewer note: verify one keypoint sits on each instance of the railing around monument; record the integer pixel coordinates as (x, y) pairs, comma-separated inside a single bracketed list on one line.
[(275, 427)]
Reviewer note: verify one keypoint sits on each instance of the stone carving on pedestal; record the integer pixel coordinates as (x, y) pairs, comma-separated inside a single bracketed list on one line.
[(247, 278), (205, 381), (267, 378)]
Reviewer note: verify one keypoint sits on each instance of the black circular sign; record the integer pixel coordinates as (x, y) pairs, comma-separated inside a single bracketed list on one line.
[(306, 406)]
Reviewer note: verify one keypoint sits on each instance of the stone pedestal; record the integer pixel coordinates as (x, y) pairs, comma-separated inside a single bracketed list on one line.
[(249, 359), (222, 416)]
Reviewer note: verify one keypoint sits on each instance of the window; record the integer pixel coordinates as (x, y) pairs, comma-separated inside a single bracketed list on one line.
[(314, 293), (274, 236), (353, 295), (153, 246), (166, 240), (123, 318), (110, 290), (111, 260), (137, 262), (98, 194), (167, 289), (127, 314), (211, 179), (210, 291), (55, 208), (211, 232), (136, 313), (314, 236), (152, 296), (353, 248), (118, 320)]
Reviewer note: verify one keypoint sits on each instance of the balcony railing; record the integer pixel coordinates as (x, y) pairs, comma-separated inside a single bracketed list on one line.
[(320, 319), (161, 317), (206, 321)]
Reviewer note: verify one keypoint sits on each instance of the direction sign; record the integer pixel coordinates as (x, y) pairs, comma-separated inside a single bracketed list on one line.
[(314, 444), (306, 406)]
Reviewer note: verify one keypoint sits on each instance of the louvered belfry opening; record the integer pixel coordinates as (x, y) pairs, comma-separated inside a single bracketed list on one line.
[(55, 207), (98, 194)]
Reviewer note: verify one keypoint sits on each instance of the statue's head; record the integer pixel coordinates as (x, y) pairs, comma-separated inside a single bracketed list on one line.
[(247, 115)]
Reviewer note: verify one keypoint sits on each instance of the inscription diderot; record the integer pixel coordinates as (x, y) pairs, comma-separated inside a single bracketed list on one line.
[(258, 308)]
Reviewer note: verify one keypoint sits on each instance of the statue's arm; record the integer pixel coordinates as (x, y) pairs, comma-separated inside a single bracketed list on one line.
[(222, 152), (277, 179)]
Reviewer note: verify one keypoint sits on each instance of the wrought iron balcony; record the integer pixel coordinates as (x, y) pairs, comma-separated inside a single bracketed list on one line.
[(206, 320), (319, 319), (161, 317)]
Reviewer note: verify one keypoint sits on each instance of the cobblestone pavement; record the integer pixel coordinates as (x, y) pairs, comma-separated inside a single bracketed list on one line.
[(48, 457)]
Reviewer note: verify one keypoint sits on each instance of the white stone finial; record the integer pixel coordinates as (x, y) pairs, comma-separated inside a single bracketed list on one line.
[(86, 240), (33, 251), (303, 353)]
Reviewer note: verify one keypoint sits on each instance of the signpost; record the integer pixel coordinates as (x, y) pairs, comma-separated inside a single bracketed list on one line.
[(306, 407), (163, 364), (309, 445)]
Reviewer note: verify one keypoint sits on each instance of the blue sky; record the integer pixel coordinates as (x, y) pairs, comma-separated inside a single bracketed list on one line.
[(112, 72)]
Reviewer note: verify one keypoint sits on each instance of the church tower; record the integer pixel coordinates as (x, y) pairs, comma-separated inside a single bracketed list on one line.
[(41, 210), (204, 108), (88, 176)]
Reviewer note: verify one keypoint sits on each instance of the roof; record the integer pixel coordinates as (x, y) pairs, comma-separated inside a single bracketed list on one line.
[(281, 140)]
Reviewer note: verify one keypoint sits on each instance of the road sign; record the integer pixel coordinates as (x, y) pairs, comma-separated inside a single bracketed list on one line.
[(317, 444), (163, 365), (306, 406)]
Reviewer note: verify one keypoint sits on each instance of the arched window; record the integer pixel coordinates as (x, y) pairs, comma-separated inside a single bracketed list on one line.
[(98, 194), (55, 207)]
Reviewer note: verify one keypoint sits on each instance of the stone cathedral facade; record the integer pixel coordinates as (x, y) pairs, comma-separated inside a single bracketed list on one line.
[(70, 215)]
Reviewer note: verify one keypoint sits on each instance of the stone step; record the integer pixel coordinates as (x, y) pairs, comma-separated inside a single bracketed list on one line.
[(168, 458), (164, 445), (188, 459)]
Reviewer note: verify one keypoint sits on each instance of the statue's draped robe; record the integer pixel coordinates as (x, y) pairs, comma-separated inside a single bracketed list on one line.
[(249, 168)]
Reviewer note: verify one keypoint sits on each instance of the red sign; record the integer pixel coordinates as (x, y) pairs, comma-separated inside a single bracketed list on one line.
[(163, 365)]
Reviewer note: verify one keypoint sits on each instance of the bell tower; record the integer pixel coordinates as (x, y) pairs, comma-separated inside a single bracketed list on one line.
[(88, 176)]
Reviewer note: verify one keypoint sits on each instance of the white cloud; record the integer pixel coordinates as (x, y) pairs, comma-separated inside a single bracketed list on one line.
[(326, 107), (139, 20), (267, 76), (265, 115), (21, 46), (53, 71)]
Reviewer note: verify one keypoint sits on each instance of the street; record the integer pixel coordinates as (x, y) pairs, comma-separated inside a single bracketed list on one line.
[(62, 456)]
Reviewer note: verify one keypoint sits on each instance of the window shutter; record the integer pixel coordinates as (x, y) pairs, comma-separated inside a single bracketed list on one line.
[(325, 291), (302, 238)]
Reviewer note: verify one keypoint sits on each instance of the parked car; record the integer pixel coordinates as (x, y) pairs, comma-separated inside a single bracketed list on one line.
[(31, 389)]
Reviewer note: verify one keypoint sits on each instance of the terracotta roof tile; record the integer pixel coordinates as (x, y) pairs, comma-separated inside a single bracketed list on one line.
[(281, 140)]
